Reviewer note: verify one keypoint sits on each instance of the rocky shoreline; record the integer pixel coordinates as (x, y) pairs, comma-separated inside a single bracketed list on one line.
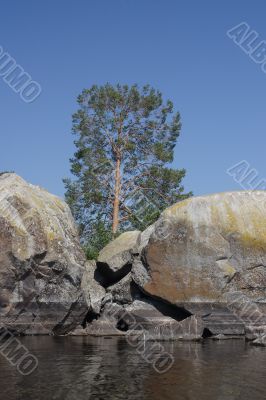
[(198, 272)]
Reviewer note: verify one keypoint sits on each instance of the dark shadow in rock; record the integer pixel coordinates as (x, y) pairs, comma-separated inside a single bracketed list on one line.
[(177, 313), (106, 277), (38, 258), (206, 333), (122, 325), (166, 309), (91, 316)]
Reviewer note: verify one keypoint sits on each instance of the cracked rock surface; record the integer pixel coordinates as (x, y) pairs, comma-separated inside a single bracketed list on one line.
[(208, 254), (41, 261), (199, 271)]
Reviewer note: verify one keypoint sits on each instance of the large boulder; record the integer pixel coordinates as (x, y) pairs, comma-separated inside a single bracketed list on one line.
[(119, 252), (41, 261), (208, 255), (115, 260)]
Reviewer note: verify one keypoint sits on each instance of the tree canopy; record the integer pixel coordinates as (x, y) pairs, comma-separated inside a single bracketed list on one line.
[(125, 140)]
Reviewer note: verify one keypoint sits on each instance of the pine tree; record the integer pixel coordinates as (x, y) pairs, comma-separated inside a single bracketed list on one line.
[(125, 140)]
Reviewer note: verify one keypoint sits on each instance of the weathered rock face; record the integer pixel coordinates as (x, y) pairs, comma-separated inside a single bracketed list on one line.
[(122, 291), (120, 251), (200, 270), (208, 255), (41, 262), (158, 322), (93, 291)]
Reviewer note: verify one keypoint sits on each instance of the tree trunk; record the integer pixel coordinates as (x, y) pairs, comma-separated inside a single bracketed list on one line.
[(116, 199)]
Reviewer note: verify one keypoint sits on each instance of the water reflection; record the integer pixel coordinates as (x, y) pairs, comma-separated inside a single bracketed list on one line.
[(109, 369)]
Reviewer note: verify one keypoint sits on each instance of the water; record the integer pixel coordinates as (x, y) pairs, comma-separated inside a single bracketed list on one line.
[(82, 368)]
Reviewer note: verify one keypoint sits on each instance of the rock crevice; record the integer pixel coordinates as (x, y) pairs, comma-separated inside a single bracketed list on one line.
[(198, 272)]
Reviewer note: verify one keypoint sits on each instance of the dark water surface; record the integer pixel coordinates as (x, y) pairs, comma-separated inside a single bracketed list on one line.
[(108, 368)]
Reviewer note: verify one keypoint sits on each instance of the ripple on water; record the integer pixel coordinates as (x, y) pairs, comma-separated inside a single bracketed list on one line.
[(96, 368)]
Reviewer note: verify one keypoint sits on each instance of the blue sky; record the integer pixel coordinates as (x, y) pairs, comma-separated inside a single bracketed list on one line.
[(180, 47)]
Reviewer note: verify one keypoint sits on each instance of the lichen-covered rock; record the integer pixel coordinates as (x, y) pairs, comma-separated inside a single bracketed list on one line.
[(120, 251), (203, 249), (41, 262)]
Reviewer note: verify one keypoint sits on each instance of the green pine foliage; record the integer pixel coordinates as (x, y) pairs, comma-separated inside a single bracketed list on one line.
[(125, 139)]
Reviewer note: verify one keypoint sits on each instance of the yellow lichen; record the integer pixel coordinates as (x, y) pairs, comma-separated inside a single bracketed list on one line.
[(231, 219), (227, 268), (251, 234), (172, 210), (250, 241), (50, 235), (59, 204), (215, 214)]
